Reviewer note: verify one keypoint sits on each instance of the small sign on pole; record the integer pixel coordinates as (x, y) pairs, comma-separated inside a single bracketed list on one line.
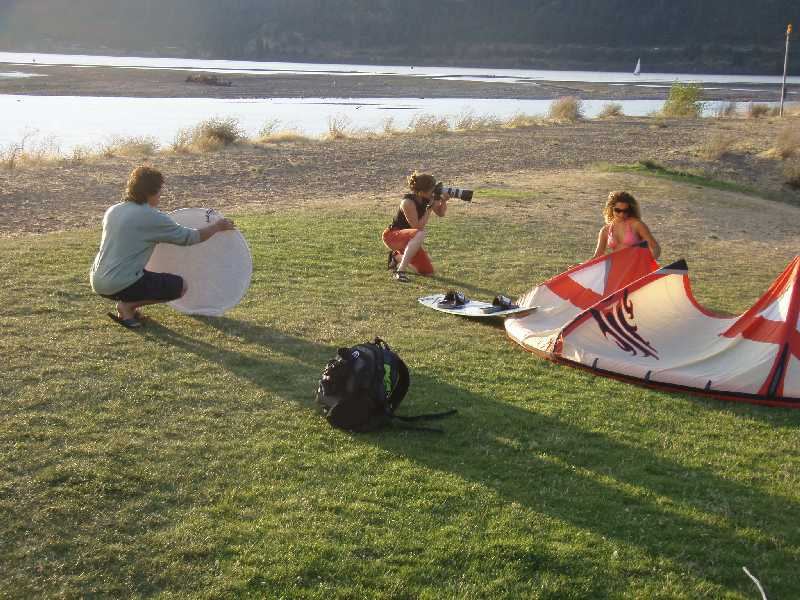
[(785, 65)]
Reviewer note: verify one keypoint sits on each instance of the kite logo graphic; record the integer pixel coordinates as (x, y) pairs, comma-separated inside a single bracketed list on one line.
[(617, 323)]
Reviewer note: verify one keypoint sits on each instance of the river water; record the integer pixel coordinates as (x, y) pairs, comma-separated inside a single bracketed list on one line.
[(462, 73), (65, 122)]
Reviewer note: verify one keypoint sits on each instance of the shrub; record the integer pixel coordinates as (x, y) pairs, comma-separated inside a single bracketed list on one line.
[(791, 174), (567, 108), (726, 110), (182, 141), (129, 146), (429, 124), (29, 151), (717, 145), (388, 126), (521, 120), (79, 154), (214, 133), (270, 134), (211, 134), (469, 122), (684, 101), (268, 129), (338, 128), (788, 141), (610, 110), (756, 111), (11, 155)]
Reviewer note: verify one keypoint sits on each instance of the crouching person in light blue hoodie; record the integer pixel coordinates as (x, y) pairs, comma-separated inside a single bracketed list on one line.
[(131, 230)]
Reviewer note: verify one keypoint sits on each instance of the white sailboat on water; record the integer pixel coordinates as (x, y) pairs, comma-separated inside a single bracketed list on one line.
[(638, 68)]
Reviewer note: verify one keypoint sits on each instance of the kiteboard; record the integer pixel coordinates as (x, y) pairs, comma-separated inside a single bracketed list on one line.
[(217, 272), (472, 308)]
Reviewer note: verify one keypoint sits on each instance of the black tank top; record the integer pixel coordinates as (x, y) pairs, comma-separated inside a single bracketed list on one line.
[(400, 221)]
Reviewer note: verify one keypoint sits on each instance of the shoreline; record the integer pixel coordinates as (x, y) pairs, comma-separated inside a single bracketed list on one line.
[(168, 83)]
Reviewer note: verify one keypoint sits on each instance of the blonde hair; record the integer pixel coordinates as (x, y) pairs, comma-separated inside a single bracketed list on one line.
[(421, 182), (613, 198)]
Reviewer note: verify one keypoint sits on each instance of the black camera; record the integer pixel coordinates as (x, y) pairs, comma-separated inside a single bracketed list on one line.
[(439, 189)]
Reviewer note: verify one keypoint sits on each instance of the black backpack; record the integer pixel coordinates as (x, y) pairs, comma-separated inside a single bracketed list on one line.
[(362, 386)]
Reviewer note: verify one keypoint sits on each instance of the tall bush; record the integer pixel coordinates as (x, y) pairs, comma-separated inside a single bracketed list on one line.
[(567, 108), (684, 101)]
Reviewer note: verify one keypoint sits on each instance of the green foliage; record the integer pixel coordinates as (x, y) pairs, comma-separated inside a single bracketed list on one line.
[(684, 101), (743, 37), (186, 460)]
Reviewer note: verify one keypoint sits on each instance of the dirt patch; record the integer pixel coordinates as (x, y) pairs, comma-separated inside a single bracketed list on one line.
[(553, 164)]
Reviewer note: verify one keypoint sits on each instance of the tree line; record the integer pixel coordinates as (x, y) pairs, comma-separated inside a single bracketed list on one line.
[(717, 35)]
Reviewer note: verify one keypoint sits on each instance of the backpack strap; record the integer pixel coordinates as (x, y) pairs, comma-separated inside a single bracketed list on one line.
[(400, 388), (402, 422), (427, 417), (417, 427)]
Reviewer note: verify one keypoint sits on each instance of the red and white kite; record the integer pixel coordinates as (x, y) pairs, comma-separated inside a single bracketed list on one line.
[(653, 330)]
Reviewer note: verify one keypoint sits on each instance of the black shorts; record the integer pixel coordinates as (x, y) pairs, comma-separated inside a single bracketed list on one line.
[(162, 287)]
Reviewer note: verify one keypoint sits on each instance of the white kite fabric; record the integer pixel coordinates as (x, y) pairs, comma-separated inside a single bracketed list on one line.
[(653, 330), (217, 272)]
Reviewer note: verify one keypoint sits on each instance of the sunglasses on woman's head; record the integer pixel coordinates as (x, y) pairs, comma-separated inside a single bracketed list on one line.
[(621, 210)]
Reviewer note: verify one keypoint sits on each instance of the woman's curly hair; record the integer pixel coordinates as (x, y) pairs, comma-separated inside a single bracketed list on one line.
[(143, 182), (613, 198), (421, 182)]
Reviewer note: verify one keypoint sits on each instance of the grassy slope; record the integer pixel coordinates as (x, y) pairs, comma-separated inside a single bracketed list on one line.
[(186, 460)]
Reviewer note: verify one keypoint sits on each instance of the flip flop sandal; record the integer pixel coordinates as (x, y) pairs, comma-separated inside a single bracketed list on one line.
[(127, 323), (401, 277)]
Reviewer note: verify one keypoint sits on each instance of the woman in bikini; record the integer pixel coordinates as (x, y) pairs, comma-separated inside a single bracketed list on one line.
[(624, 226), (406, 234)]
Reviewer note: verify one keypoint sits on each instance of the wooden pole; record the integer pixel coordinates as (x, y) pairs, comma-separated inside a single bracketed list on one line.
[(785, 65)]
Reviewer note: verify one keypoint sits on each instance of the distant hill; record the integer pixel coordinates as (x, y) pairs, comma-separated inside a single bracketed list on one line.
[(685, 35)]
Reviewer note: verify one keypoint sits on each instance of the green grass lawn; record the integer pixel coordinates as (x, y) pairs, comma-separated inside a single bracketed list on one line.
[(187, 460)]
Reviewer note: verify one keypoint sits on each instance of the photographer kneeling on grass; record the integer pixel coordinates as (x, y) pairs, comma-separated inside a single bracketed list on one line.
[(405, 236), (131, 230)]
